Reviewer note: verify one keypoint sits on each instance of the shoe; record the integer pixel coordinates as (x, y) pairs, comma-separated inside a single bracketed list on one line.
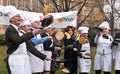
[(65, 70)]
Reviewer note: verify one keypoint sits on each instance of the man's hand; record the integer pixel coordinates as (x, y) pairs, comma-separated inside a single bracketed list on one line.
[(36, 31), (50, 37), (87, 54), (75, 49), (58, 48), (48, 58)]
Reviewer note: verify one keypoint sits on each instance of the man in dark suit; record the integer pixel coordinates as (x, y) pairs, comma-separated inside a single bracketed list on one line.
[(48, 49), (18, 44)]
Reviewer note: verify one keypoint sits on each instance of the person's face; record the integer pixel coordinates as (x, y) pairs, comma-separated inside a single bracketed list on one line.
[(16, 19), (35, 25), (85, 35), (27, 28), (70, 31), (48, 30), (105, 31)]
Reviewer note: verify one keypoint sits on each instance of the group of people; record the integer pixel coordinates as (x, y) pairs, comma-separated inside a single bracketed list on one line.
[(107, 51), (32, 52)]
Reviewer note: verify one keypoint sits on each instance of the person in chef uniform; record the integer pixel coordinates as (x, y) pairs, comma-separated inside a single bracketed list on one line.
[(103, 58), (17, 61), (48, 48), (37, 64), (84, 63)]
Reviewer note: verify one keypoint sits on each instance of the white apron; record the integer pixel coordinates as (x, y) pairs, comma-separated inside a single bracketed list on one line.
[(47, 64), (19, 60), (85, 64), (103, 62), (117, 58), (103, 58), (37, 64)]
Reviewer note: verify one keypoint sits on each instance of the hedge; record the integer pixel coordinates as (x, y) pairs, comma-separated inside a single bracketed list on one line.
[(2, 40)]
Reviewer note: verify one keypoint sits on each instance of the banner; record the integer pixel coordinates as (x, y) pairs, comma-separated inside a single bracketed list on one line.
[(61, 20), (4, 20)]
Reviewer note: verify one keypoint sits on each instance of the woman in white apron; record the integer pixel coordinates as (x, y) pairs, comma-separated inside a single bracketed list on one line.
[(84, 62), (103, 58)]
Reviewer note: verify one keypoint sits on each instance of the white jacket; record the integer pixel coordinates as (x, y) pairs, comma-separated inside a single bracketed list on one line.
[(103, 44)]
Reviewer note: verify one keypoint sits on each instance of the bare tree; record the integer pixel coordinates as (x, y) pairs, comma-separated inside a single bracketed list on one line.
[(69, 5), (111, 13)]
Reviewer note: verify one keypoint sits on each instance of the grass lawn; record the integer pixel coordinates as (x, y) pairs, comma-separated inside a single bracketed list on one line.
[(3, 55)]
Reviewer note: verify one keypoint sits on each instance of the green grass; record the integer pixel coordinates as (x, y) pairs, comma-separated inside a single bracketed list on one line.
[(3, 55)]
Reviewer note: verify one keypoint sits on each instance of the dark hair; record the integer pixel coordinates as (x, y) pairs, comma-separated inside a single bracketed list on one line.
[(69, 27)]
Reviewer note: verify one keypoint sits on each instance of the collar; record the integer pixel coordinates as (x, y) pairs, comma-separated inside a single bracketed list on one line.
[(47, 33), (16, 27)]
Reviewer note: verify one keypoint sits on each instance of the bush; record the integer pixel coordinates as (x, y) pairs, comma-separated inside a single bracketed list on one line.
[(2, 40), (91, 37)]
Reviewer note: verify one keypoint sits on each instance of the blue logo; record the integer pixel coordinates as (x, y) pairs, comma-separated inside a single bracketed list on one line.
[(68, 19)]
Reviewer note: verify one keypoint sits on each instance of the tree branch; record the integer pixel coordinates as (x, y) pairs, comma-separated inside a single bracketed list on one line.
[(42, 2), (86, 17), (75, 5), (79, 10), (101, 10), (57, 6)]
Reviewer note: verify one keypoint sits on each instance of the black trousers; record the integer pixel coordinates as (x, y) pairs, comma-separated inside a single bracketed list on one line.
[(36, 73), (117, 71), (99, 72), (106, 72), (84, 73), (7, 65), (52, 72)]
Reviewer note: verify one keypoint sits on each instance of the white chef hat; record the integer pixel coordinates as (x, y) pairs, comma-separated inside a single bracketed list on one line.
[(83, 29), (25, 20), (104, 24), (47, 27), (11, 11), (34, 18)]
